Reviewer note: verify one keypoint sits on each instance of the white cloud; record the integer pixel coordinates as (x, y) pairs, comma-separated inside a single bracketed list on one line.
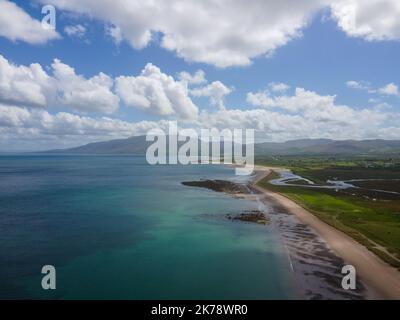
[(279, 87), (85, 95), (306, 114), (303, 115), (31, 86), (223, 33), (390, 89), (17, 25), (197, 78), (371, 20), (23, 85), (13, 116), (318, 109), (353, 84), (260, 99), (275, 126), (152, 91), (216, 91), (75, 31), (361, 85), (24, 128), (265, 98), (157, 93), (303, 100)]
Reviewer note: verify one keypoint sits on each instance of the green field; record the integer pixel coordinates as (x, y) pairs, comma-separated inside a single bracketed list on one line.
[(370, 217)]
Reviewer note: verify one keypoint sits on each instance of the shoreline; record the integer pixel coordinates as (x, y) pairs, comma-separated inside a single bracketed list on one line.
[(381, 279)]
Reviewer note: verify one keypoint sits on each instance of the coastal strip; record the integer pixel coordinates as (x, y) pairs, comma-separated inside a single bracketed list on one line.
[(382, 280), (315, 268)]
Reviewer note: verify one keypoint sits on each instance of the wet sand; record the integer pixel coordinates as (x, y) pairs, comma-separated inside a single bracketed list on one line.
[(317, 252)]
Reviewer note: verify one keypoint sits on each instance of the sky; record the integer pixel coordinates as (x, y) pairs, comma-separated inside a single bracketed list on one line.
[(288, 69)]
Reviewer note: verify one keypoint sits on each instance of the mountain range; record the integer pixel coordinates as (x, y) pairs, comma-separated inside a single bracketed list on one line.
[(138, 145)]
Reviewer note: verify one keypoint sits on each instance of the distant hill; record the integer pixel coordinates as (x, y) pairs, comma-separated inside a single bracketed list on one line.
[(289, 147), (138, 145), (133, 145), (329, 147)]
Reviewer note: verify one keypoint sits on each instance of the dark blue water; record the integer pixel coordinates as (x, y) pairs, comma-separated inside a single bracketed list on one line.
[(117, 228)]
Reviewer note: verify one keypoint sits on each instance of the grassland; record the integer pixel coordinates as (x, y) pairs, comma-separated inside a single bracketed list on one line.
[(372, 218)]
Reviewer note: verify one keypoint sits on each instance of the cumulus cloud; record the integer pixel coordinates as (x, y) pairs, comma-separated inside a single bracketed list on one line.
[(13, 116), (64, 123), (157, 93), (271, 125), (223, 33), (303, 100), (152, 91), (32, 86), (317, 109), (260, 99), (371, 20), (216, 91), (197, 78), (23, 85), (390, 89), (305, 114), (23, 126), (85, 95), (17, 25), (279, 86), (231, 33), (360, 85)]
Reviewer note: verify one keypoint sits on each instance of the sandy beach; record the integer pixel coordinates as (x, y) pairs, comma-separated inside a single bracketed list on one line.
[(381, 280)]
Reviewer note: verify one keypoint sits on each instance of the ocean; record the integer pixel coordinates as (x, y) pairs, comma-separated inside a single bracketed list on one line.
[(115, 227)]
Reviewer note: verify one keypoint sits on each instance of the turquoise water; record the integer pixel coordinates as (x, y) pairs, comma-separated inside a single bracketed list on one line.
[(117, 228)]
